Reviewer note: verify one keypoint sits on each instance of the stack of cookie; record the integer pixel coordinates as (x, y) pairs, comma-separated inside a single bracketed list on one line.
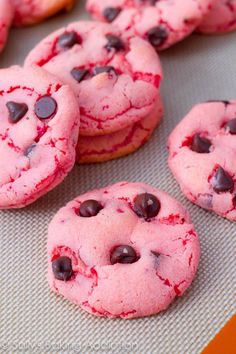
[(116, 82), (25, 12)]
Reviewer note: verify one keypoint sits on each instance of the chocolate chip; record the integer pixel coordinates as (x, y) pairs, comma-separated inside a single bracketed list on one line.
[(68, 40), (79, 74), (114, 42), (123, 254), (226, 103), (45, 107), (90, 208), (62, 268), (146, 205), (200, 144), (222, 181), (151, 2), (156, 254), (110, 13), (29, 149), (231, 126), (103, 69), (16, 111), (157, 36)]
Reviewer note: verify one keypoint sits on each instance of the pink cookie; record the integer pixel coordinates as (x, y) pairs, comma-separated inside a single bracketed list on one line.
[(28, 12), (221, 18), (107, 147), (115, 80), (38, 134), (162, 22), (127, 251), (6, 15), (202, 156)]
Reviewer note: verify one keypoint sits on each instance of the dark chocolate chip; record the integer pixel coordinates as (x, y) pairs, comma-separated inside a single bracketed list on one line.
[(157, 36), (114, 42), (16, 111), (146, 205), (79, 74), (123, 254), (62, 268), (90, 208), (226, 103), (45, 107), (29, 150), (68, 40), (200, 144), (110, 13), (156, 254), (230, 126), (151, 2), (103, 69), (222, 181)]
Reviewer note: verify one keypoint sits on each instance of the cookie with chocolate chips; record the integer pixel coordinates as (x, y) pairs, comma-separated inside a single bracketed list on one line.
[(38, 134), (109, 74), (161, 22), (125, 251), (202, 156)]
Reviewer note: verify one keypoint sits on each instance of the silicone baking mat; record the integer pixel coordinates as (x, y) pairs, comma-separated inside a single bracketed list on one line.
[(34, 320)]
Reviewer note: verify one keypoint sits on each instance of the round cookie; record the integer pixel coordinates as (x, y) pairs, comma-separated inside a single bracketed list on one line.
[(126, 251), (202, 156), (109, 75), (111, 146), (38, 134), (221, 18), (29, 12), (6, 15), (162, 22)]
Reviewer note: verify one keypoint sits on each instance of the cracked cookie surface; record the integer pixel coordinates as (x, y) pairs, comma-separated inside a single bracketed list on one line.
[(116, 81), (6, 16), (202, 156), (38, 134), (221, 18), (126, 251), (162, 23), (29, 12), (107, 147)]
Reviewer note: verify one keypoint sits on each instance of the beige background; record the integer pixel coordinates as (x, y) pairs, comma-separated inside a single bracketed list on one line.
[(198, 69)]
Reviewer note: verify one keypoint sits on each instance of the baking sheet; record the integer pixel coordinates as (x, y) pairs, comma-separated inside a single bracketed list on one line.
[(36, 321)]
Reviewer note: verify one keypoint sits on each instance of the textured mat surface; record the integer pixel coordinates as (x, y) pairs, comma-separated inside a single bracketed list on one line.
[(35, 321)]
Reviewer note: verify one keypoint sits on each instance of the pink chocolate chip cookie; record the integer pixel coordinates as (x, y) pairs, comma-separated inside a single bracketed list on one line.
[(221, 18), (28, 12), (123, 142), (116, 81), (38, 134), (6, 16), (162, 22), (202, 156), (126, 251)]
